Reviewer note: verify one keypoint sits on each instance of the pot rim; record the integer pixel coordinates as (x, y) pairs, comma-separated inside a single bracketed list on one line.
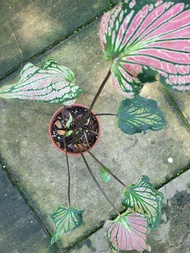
[(50, 129)]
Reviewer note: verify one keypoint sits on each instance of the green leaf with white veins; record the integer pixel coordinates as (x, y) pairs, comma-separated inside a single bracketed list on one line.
[(65, 220), (139, 115)]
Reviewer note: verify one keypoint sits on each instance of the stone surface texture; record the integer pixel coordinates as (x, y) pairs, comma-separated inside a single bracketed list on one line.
[(26, 151), (20, 230), (29, 27)]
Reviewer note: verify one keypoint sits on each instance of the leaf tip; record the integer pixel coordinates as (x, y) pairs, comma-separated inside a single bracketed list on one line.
[(54, 238)]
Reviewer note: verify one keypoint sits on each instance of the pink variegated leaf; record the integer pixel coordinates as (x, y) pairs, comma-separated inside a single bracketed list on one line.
[(147, 37), (50, 83), (128, 231)]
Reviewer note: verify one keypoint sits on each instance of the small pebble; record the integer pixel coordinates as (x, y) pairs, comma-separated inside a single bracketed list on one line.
[(170, 160)]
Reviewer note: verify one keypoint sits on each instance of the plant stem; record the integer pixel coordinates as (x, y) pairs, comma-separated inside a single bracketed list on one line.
[(98, 185), (86, 140), (101, 164), (105, 114), (100, 90), (83, 120), (67, 162)]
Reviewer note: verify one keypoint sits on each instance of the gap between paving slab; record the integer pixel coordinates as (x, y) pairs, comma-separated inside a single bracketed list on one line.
[(172, 235), (28, 28), (181, 104), (40, 168)]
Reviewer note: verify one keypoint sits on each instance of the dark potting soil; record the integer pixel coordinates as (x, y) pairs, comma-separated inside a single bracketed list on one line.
[(78, 135)]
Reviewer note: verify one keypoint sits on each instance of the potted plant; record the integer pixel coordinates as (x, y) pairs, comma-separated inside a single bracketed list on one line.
[(144, 42), (69, 122)]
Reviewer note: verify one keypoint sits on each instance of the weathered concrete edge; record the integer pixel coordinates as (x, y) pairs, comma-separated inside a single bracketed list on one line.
[(57, 42), (14, 182), (174, 103), (179, 172)]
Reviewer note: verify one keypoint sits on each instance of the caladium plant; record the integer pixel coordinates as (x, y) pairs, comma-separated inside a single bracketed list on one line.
[(141, 39)]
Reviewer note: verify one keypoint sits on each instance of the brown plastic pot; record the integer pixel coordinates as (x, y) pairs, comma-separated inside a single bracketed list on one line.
[(50, 129)]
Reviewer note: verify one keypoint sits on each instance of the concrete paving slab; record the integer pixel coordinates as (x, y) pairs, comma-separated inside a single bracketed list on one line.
[(29, 27), (182, 101), (20, 231), (41, 169), (172, 235)]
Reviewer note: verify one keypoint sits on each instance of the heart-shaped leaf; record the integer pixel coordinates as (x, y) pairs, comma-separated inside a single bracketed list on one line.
[(51, 83), (65, 220), (128, 231), (147, 37), (143, 197), (139, 114)]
